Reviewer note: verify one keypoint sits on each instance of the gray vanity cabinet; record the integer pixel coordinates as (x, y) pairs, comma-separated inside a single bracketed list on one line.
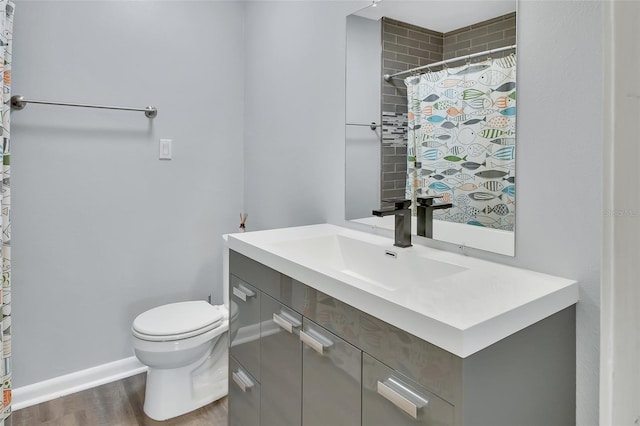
[(281, 364), (302, 357), (390, 398), (331, 378), (245, 336), (244, 396)]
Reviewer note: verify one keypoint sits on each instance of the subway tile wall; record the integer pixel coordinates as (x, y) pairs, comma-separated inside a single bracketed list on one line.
[(491, 34), (406, 46)]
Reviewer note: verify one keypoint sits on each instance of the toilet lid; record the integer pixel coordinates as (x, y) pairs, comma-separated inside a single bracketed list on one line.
[(178, 319)]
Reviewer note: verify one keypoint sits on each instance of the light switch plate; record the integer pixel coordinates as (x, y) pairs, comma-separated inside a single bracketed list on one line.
[(165, 149)]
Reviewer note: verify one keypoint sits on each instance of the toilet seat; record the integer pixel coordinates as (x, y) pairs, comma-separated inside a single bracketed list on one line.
[(177, 321), (177, 345)]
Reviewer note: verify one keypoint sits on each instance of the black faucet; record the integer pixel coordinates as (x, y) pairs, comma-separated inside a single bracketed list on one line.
[(403, 220), (425, 214)]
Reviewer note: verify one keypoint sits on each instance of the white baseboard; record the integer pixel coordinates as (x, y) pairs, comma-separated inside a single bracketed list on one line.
[(47, 390)]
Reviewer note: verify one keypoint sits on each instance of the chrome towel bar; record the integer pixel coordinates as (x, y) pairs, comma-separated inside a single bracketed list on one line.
[(18, 102)]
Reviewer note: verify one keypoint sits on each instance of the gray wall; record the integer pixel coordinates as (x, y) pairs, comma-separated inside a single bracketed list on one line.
[(294, 168), (102, 229), (620, 352), (567, 245)]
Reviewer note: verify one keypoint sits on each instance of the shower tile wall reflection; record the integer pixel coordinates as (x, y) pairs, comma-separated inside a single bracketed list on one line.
[(394, 154), (406, 46)]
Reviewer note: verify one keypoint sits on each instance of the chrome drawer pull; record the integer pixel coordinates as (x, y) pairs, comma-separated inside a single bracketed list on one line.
[(243, 381), (318, 343), (242, 292), (402, 397), (286, 321)]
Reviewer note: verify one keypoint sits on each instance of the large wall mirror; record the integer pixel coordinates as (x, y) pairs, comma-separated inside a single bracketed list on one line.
[(431, 111)]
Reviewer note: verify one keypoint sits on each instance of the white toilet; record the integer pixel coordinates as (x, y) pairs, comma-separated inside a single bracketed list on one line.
[(185, 346)]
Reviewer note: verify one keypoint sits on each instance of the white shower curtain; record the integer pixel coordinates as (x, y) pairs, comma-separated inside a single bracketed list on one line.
[(461, 141), (6, 35)]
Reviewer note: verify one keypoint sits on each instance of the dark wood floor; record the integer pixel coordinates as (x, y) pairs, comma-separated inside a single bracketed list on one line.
[(114, 404)]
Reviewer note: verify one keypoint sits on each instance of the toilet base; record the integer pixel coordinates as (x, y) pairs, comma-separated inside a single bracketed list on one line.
[(172, 392)]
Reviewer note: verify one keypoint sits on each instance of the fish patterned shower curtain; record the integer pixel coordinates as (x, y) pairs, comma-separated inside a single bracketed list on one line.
[(462, 141), (6, 36)]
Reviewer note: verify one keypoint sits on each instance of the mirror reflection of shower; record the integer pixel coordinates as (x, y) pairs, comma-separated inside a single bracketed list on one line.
[(401, 46)]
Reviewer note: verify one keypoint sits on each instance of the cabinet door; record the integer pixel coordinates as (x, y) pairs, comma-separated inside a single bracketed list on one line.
[(245, 327), (244, 396), (280, 364), (331, 378), (389, 398)]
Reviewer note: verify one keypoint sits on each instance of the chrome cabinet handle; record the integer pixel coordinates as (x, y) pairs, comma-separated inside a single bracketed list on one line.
[(286, 321), (242, 292), (402, 396), (316, 341), (243, 380)]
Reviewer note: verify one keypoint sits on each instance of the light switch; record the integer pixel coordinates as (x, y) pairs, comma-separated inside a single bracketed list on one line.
[(165, 149)]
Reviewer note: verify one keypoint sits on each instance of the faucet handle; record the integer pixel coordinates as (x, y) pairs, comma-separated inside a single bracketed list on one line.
[(398, 203), (427, 200)]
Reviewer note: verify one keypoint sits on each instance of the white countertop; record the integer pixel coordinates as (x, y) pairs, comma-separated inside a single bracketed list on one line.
[(462, 313)]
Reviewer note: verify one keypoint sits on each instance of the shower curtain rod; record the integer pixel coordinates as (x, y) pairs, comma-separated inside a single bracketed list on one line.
[(18, 102), (388, 77)]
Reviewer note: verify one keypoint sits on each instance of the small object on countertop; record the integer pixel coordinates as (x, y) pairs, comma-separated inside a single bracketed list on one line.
[(243, 220)]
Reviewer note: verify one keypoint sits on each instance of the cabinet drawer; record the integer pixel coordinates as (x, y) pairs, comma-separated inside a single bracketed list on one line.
[(331, 378), (245, 326), (440, 371), (244, 396), (280, 364), (390, 398), (281, 287), (259, 275)]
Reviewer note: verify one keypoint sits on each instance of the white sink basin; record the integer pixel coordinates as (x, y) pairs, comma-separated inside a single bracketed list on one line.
[(389, 268), (457, 302)]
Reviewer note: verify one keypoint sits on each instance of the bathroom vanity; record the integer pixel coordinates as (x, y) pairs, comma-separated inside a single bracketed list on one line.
[(324, 337)]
